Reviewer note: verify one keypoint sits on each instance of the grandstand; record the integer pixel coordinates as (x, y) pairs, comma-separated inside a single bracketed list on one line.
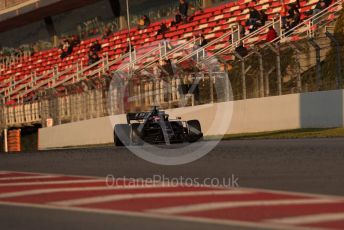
[(35, 88)]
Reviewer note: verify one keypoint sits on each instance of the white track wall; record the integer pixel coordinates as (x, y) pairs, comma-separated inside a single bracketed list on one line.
[(308, 110)]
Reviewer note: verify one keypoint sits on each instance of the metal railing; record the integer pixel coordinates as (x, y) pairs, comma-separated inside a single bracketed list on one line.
[(231, 47), (133, 60), (54, 81), (167, 54), (82, 73), (202, 50), (101, 66), (11, 58), (43, 82), (307, 26), (118, 59), (15, 4), (13, 90), (306, 29)]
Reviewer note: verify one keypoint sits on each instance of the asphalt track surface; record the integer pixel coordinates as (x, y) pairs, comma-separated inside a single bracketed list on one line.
[(312, 166)]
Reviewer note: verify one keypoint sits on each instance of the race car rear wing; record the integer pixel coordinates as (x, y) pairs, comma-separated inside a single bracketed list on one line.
[(136, 116), (142, 116)]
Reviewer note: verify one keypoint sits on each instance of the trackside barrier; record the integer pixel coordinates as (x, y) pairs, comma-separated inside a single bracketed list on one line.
[(13, 140)]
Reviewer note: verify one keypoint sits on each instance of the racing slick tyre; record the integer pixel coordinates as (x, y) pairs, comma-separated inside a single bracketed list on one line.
[(178, 131), (135, 135), (121, 135), (194, 131)]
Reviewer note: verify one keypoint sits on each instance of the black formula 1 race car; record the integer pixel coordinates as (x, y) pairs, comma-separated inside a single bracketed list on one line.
[(155, 127)]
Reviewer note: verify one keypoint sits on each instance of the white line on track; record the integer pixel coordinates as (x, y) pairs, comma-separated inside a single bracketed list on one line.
[(52, 182), (309, 219), (52, 174), (314, 195), (51, 190), (92, 200), (237, 204), (23, 172), (27, 177), (256, 225), (75, 189)]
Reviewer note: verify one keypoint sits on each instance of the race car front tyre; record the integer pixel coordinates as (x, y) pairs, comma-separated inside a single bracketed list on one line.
[(135, 135), (121, 134), (194, 131)]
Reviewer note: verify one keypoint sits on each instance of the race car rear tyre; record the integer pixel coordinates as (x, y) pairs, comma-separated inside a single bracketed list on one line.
[(135, 135), (121, 135), (194, 131)]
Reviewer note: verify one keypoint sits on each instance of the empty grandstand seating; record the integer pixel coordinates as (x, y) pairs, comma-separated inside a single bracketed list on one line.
[(46, 69)]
